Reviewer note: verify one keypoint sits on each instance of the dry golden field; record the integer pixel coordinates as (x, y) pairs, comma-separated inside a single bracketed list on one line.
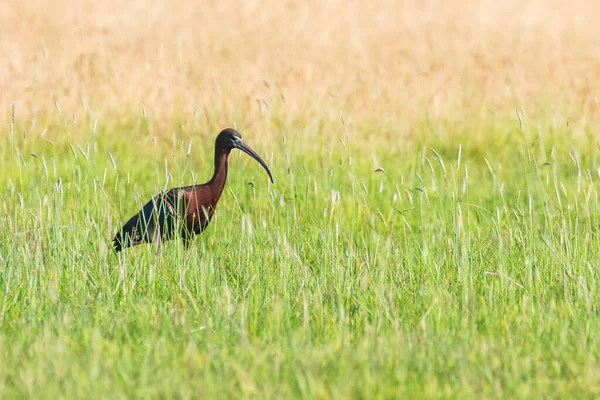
[(376, 61)]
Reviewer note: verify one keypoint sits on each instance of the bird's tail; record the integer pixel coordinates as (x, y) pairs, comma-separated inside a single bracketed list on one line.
[(155, 217), (117, 242), (129, 235)]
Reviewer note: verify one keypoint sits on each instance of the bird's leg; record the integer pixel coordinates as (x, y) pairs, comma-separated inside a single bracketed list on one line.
[(157, 244), (187, 242), (186, 236)]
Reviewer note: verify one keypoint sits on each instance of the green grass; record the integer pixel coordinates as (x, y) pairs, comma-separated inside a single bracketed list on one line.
[(446, 276)]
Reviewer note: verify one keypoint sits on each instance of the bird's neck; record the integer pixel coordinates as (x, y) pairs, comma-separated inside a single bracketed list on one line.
[(220, 175)]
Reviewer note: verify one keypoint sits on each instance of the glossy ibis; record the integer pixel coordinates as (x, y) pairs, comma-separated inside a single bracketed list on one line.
[(187, 209)]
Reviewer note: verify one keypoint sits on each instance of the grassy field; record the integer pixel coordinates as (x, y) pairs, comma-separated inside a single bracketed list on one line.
[(431, 232)]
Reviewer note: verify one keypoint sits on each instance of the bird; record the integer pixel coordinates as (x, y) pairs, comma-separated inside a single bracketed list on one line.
[(184, 211)]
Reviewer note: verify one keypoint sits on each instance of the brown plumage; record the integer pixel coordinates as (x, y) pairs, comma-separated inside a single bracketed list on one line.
[(188, 208)]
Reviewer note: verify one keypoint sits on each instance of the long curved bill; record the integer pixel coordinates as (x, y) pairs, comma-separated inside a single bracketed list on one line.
[(248, 150)]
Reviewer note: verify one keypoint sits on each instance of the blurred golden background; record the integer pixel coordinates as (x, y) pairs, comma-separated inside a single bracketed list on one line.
[(385, 60)]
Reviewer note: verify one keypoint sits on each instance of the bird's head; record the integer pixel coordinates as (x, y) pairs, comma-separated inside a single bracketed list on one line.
[(231, 139)]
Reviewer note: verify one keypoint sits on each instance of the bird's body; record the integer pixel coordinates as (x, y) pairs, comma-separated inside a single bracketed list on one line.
[(184, 211)]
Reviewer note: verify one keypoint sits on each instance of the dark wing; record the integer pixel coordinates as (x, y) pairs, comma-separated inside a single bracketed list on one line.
[(157, 217)]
